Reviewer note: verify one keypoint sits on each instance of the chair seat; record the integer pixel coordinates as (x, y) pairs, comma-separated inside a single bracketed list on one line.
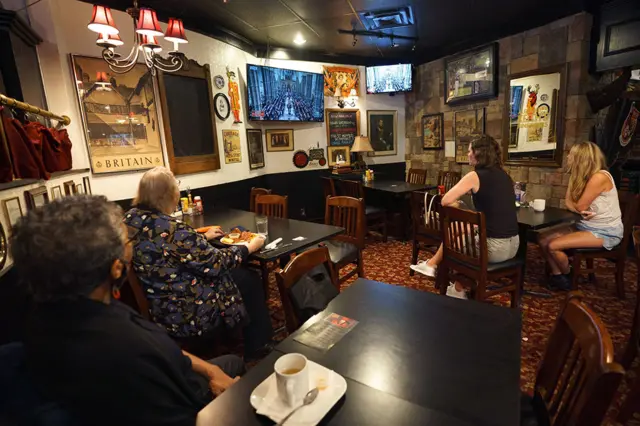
[(341, 252), (494, 267), (370, 210), (591, 250)]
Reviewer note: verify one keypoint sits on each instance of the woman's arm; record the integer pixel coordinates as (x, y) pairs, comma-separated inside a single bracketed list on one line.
[(470, 182), (569, 202), (218, 380), (597, 184)]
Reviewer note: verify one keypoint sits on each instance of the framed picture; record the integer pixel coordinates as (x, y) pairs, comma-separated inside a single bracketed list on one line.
[(56, 192), (340, 81), (222, 105), (471, 75), (79, 189), (383, 132), (466, 126), (36, 197), (87, 185), (433, 131), (12, 210), (255, 148), (69, 187), (232, 151), (339, 153), (343, 125), (119, 116), (279, 140)]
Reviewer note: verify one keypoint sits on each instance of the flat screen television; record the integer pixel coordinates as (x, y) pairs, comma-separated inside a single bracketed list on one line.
[(277, 94), (389, 78)]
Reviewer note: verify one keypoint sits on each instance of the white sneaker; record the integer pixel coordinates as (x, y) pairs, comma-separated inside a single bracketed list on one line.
[(452, 292), (424, 269)]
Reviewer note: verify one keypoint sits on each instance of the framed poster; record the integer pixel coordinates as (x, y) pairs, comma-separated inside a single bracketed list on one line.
[(232, 151), (36, 197), (279, 140), (466, 126), (383, 132), (119, 116), (339, 153), (12, 210), (343, 125), (433, 131), (255, 149), (471, 75), (56, 192), (69, 188), (339, 81)]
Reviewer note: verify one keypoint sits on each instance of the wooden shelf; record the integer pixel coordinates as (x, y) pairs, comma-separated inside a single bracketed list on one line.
[(25, 182)]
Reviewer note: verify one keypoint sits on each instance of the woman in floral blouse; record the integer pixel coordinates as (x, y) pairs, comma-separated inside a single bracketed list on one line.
[(189, 283)]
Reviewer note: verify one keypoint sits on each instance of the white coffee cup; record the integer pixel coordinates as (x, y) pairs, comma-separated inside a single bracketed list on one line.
[(292, 378), (539, 205)]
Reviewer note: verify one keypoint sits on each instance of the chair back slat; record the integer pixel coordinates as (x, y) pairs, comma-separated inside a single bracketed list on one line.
[(448, 179), (347, 213), (578, 376), (459, 238), (350, 188), (255, 192), (417, 176), (328, 187), (273, 206)]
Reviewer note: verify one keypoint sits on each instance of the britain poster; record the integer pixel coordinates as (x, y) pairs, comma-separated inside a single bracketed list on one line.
[(339, 81), (119, 115), (231, 141)]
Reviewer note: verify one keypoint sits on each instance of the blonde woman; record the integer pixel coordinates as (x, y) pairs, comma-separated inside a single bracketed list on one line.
[(593, 194)]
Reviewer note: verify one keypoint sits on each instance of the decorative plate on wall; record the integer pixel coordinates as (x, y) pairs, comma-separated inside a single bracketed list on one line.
[(218, 80), (223, 107), (300, 159)]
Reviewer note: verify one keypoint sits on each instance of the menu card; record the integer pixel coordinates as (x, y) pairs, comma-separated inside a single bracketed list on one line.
[(328, 329)]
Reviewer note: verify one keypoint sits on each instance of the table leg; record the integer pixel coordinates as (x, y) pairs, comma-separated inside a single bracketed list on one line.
[(264, 272), (522, 254)]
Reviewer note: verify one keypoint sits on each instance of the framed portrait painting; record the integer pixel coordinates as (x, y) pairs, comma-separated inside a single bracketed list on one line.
[(466, 126), (340, 154), (433, 131), (256, 151), (383, 132), (36, 197), (279, 140), (87, 185), (119, 116), (12, 210), (69, 188), (471, 75), (341, 81), (56, 192)]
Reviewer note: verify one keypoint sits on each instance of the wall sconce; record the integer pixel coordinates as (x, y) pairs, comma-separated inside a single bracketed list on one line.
[(350, 101)]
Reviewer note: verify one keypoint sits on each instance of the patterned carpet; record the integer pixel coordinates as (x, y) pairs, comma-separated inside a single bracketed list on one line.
[(389, 263)]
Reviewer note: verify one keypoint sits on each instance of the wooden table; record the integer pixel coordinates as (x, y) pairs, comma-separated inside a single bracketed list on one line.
[(414, 358), (396, 187)]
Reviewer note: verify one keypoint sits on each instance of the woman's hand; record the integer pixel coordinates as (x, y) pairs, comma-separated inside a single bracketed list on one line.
[(213, 233), (587, 215), (255, 244)]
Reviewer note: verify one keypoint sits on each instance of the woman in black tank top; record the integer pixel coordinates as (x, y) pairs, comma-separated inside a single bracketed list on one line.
[(492, 192)]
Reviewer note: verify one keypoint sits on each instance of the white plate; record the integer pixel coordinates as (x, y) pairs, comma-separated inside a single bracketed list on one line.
[(312, 414)]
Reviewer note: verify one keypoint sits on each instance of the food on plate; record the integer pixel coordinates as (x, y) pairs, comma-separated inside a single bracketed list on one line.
[(238, 237)]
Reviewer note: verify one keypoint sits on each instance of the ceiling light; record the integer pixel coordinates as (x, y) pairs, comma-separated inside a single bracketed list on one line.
[(299, 40)]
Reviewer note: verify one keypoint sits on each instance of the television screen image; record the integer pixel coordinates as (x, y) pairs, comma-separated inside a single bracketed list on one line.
[(276, 94), (389, 78)]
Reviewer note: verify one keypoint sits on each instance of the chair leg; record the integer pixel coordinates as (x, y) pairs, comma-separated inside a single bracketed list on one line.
[(384, 229), (577, 265), (515, 294), (360, 265), (414, 256), (441, 277), (592, 275), (620, 278)]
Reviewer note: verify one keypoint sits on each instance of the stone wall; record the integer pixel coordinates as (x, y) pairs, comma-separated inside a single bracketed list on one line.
[(562, 42)]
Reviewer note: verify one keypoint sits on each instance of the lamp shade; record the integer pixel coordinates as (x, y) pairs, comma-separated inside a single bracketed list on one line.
[(361, 144), (150, 43), (102, 21), (175, 31), (109, 40), (148, 23)]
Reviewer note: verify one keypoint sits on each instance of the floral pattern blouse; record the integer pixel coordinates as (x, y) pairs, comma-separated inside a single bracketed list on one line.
[(186, 280)]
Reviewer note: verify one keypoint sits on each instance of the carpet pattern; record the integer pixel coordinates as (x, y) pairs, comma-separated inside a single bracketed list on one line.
[(389, 262)]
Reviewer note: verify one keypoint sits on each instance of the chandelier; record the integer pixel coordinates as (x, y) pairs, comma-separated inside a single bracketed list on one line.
[(146, 29)]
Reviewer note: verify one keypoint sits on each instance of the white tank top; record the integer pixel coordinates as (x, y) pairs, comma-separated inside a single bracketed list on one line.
[(606, 208)]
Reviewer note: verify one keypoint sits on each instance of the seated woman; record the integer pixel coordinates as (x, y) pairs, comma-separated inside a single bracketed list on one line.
[(591, 193), (87, 353), (193, 287), (492, 192)]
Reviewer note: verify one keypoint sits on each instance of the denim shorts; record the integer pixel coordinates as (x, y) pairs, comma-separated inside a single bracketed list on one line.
[(611, 236)]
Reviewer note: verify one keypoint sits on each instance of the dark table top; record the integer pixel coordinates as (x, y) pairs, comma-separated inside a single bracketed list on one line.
[(551, 216), (396, 186), (414, 355), (287, 229)]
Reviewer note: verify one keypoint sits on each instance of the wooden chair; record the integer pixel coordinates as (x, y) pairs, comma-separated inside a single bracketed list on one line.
[(294, 270), (255, 192), (470, 261), (273, 206), (448, 179), (629, 208), (133, 295), (376, 217), (633, 346), (329, 187), (630, 408), (418, 176), (578, 376), (345, 249), (425, 237)]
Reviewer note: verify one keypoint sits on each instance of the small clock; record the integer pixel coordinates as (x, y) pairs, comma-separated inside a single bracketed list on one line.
[(218, 80), (223, 108)]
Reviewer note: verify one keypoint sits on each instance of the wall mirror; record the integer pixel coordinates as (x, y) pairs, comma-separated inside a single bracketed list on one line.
[(533, 117)]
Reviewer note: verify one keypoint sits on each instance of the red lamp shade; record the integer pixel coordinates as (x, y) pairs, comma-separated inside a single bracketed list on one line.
[(150, 43), (102, 21), (109, 40), (175, 31), (148, 23)]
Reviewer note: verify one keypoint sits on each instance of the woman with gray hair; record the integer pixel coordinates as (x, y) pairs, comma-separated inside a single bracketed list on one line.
[(192, 286), (96, 358)]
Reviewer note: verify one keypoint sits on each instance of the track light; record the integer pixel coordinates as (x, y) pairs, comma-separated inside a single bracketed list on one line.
[(355, 41)]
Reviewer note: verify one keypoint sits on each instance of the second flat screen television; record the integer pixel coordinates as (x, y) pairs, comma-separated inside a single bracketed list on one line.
[(277, 94)]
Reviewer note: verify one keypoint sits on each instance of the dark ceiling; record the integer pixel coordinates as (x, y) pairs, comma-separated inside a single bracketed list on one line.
[(441, 26)]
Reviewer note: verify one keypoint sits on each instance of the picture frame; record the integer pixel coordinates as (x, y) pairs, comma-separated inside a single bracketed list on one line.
[(471, 75), (36, 197), (279, 140), (79, 189), (231, 146), (56, 192), (222, 106), (432, 131), (343, 125), (383, 132), (87, 185), (12, 210), (255, 149), (467, 125), (69, 188), (334, 151)]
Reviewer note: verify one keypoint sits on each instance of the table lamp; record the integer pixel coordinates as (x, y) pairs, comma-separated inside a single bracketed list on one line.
[(361, 144)]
